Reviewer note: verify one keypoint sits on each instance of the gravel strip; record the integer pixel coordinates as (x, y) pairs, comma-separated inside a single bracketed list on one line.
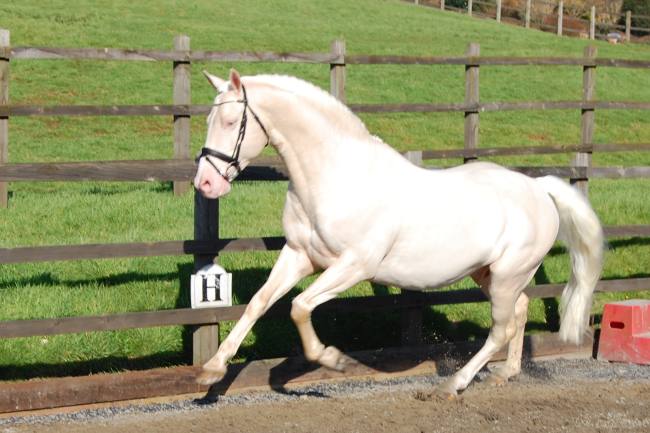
[(560, 371)]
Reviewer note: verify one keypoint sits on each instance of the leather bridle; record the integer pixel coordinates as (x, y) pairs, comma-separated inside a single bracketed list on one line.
[(233, 160)]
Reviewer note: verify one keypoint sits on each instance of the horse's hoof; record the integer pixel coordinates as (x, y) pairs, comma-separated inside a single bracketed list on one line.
[(445, 391), (332, 358), (208, 377), (439, 393), (423, 396), (445, 394), (496, 379)]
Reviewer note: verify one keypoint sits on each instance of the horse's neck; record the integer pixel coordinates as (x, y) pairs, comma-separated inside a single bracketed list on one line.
[(315, 144)]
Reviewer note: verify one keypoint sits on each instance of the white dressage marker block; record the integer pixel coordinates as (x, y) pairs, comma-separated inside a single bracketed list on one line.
[(211, 287)]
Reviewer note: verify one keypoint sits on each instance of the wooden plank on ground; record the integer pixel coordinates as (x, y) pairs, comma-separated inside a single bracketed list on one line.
[(274, 374)]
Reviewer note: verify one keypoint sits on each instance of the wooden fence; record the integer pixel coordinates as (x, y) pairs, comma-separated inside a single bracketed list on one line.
[(551, 16), (208, 244)]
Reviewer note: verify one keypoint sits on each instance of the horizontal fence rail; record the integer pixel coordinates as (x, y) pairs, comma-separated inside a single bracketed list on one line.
[(50, 53), (137, 249), (184, 170), (40, 53), (202, 316), (494, 61), (173, 248), (193, 110)]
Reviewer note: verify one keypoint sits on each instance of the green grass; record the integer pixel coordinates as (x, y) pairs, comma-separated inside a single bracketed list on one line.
[(73, 213)]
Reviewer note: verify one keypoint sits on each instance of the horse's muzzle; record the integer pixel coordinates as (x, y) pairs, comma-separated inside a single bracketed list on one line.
[(210, 183)]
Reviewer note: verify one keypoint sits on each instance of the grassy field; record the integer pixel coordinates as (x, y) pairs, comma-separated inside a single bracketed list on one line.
[(72, 213)]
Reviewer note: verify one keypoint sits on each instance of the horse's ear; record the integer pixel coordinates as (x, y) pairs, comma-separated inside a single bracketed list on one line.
[(235, 81), (215, 81)]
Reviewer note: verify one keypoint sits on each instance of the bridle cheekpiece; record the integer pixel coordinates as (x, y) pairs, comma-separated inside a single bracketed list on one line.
[(234, 167)]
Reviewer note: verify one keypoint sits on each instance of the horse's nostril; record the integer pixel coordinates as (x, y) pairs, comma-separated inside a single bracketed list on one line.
[(205, 185)]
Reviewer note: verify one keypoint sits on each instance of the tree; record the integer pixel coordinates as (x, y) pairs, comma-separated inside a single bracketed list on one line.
[(640, 14)]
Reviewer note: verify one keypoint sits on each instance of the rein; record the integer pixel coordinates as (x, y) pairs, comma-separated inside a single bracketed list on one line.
[(233, 160)]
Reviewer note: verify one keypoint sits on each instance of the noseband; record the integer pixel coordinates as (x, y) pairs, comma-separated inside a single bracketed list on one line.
[(233, 160)]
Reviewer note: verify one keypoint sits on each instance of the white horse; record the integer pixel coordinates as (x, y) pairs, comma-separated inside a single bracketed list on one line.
[(358, 210)]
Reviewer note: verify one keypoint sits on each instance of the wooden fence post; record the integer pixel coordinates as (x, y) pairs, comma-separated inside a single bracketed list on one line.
[(471, 98), (205, 338), (560, 17), (337, 70), (182, 96), (628, 25), (411, 318), (4, 121), (527, 19), (498, 11), (592, 23), (442, 5), (470, 6), (583, 159), (205, 342)]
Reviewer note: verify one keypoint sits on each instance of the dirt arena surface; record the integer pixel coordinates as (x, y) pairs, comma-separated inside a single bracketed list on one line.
[(582, 395)]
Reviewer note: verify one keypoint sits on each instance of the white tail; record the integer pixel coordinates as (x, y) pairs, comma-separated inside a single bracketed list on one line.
[(580, 229)]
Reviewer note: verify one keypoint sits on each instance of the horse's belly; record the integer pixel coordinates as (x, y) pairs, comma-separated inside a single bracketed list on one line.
[(426, 270), (435, 252)]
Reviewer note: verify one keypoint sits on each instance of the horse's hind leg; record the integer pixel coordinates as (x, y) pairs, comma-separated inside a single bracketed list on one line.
[(503, 294), (512, 365)]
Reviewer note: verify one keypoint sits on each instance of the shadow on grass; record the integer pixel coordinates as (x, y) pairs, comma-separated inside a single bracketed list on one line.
[(274, 337), (47, 279)]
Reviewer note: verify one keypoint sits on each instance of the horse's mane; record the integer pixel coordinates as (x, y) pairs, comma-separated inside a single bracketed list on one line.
[(316, 96)]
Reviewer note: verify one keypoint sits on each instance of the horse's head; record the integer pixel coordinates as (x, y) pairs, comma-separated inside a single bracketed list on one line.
[(232, 141)]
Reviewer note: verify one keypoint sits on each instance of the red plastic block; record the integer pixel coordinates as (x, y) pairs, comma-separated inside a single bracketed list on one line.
[(625, 332)]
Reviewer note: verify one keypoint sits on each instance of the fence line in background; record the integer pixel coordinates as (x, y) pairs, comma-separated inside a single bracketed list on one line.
[(208, 244), (554, 21)]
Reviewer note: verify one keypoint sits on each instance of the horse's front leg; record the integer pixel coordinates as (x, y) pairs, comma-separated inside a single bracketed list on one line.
[(337, 278), (292, 265)]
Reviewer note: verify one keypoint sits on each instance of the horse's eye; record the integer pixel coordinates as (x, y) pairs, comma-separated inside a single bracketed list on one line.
[(230, 123)]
